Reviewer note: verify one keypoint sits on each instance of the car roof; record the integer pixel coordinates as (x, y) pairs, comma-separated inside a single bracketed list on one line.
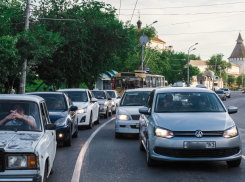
[(31, 93), (140, 89), (73, 89), (183, 89), (98, 90), (21, 97)]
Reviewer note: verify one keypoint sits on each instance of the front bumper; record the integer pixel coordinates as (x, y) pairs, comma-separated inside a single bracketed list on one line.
[(20, 175), (82, 119), (128, 126), (103, 110), (177, 145), (65, 131)]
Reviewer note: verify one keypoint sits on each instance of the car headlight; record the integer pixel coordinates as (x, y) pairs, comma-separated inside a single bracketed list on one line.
[(113, 103), (80, 111), (21, 161), (163, 133), (60, 122), (230, 132), (123, 117)]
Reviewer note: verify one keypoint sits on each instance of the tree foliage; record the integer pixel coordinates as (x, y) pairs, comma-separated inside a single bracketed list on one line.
[(239, 81), (231, 80)]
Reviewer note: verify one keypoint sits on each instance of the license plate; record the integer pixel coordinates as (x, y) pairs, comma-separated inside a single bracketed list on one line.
[(137, 125), (199, 145)]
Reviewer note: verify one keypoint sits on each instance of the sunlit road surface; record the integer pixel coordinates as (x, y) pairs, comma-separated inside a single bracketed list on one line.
[(111, 159)]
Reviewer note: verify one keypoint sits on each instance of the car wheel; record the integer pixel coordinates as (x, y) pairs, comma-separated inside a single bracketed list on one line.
[(106, 114), (142, 148), (52, 170), (118, 135), (234, 163), (45, 177), (150, 162), (114, 112), (75, 135), (67, 143), (110, 113), (98, 119), (90, 122)]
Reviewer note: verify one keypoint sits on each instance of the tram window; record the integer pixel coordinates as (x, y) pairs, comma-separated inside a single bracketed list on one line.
[(147, 81), (153, 81)]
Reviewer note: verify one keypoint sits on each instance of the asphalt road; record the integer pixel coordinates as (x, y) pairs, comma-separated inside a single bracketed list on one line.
[(111, 159)]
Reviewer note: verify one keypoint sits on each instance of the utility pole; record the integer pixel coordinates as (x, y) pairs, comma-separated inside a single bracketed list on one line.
[(242, 77), (226, 78), (23, 73), (188, 75), (214, 73), (142, 57)]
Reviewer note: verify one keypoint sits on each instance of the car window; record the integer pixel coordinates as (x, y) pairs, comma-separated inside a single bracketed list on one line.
[(44, 116), (54, 101), (150, 100), (29, 110), (99, 94), (90, 96), (219, 92), (47, 113), (137, 98), (112, 94), (188, 102), (78, 96)]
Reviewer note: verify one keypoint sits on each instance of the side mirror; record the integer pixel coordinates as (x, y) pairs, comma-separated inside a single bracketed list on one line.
[(118, 97), (144, 110), (232, 110), (94, 100), (109, 99), (73, 108), (50, 126)]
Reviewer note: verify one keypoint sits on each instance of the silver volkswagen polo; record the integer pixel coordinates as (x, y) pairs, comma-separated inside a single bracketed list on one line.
[(188, 124)]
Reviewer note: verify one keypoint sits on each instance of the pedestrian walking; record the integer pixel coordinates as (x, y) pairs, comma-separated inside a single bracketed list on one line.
[(12, 91), (50, 88)]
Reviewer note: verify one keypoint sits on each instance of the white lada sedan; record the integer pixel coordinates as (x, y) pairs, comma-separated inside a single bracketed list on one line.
[(188, 124), (27, 139), (127, 117), (88, 107)]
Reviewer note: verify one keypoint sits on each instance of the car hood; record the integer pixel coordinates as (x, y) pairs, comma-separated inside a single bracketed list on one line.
[(81, 105), (19, 142), (101, 101), (205, 121), (129, 110), (54, 115)]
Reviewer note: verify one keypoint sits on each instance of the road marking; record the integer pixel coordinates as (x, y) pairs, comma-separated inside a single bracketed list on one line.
[(243, 156), (79, 163)]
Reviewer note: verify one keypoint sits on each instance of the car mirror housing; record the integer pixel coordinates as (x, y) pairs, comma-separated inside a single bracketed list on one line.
[(232, 110), (73, 108), (144, 110), (50, 126), (94, 100)]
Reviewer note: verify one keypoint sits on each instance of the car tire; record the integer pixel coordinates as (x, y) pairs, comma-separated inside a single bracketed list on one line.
[(68, 142), (106, 114), (114, 112), (142, 148), (98, 119), (52, 169), (110, 113), (234, 163), (90, 125), (75, 134), (118, 135), (150, 162), (45, 176)]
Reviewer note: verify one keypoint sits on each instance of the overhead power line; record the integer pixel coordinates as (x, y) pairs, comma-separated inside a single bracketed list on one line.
[(203, 32), (133, 11), (119, 9), (192, 6), (173, 14)]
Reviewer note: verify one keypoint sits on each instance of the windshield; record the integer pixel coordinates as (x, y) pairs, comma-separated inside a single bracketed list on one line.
[(78, 96), (99, 94), (225, 89), (219, 92), (112, 94), (19, 116), (54, 102), (134, 98), (188, 102)]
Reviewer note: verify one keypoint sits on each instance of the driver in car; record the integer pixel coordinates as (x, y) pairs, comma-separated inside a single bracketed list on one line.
[(17, 117), (100, 96), (167, 103), (84, 97)]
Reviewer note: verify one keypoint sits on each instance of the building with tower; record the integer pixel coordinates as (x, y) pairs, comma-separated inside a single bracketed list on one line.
[(238, 54)]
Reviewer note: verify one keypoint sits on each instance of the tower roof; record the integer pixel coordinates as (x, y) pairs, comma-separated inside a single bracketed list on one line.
[(239, 50)]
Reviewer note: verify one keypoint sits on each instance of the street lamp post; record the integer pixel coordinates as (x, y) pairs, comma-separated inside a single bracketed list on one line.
[(143, 44), (214, 74), (188, 79)]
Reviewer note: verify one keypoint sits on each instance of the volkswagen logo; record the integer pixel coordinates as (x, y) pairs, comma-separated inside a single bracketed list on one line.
[(199, 134)]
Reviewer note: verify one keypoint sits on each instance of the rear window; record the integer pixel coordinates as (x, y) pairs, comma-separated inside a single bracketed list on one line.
[(99, 94), (112, 94), (135, 98), (225, 89)]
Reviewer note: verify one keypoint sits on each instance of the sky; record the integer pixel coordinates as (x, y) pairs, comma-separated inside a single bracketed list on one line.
[(183, 31)]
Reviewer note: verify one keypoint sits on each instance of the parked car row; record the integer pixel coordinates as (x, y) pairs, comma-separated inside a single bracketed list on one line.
[(28, 122), (180, 124)]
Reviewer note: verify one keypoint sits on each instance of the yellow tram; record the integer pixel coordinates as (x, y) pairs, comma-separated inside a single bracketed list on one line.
[(137, 79)]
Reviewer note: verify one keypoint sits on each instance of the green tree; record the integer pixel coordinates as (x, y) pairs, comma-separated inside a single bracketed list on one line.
[(231, 80), (239, 81)]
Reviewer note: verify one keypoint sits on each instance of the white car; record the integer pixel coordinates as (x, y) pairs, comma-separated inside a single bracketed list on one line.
[(227, 92), (115, 96), (88, 107), (127, 117), (27, 139)]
